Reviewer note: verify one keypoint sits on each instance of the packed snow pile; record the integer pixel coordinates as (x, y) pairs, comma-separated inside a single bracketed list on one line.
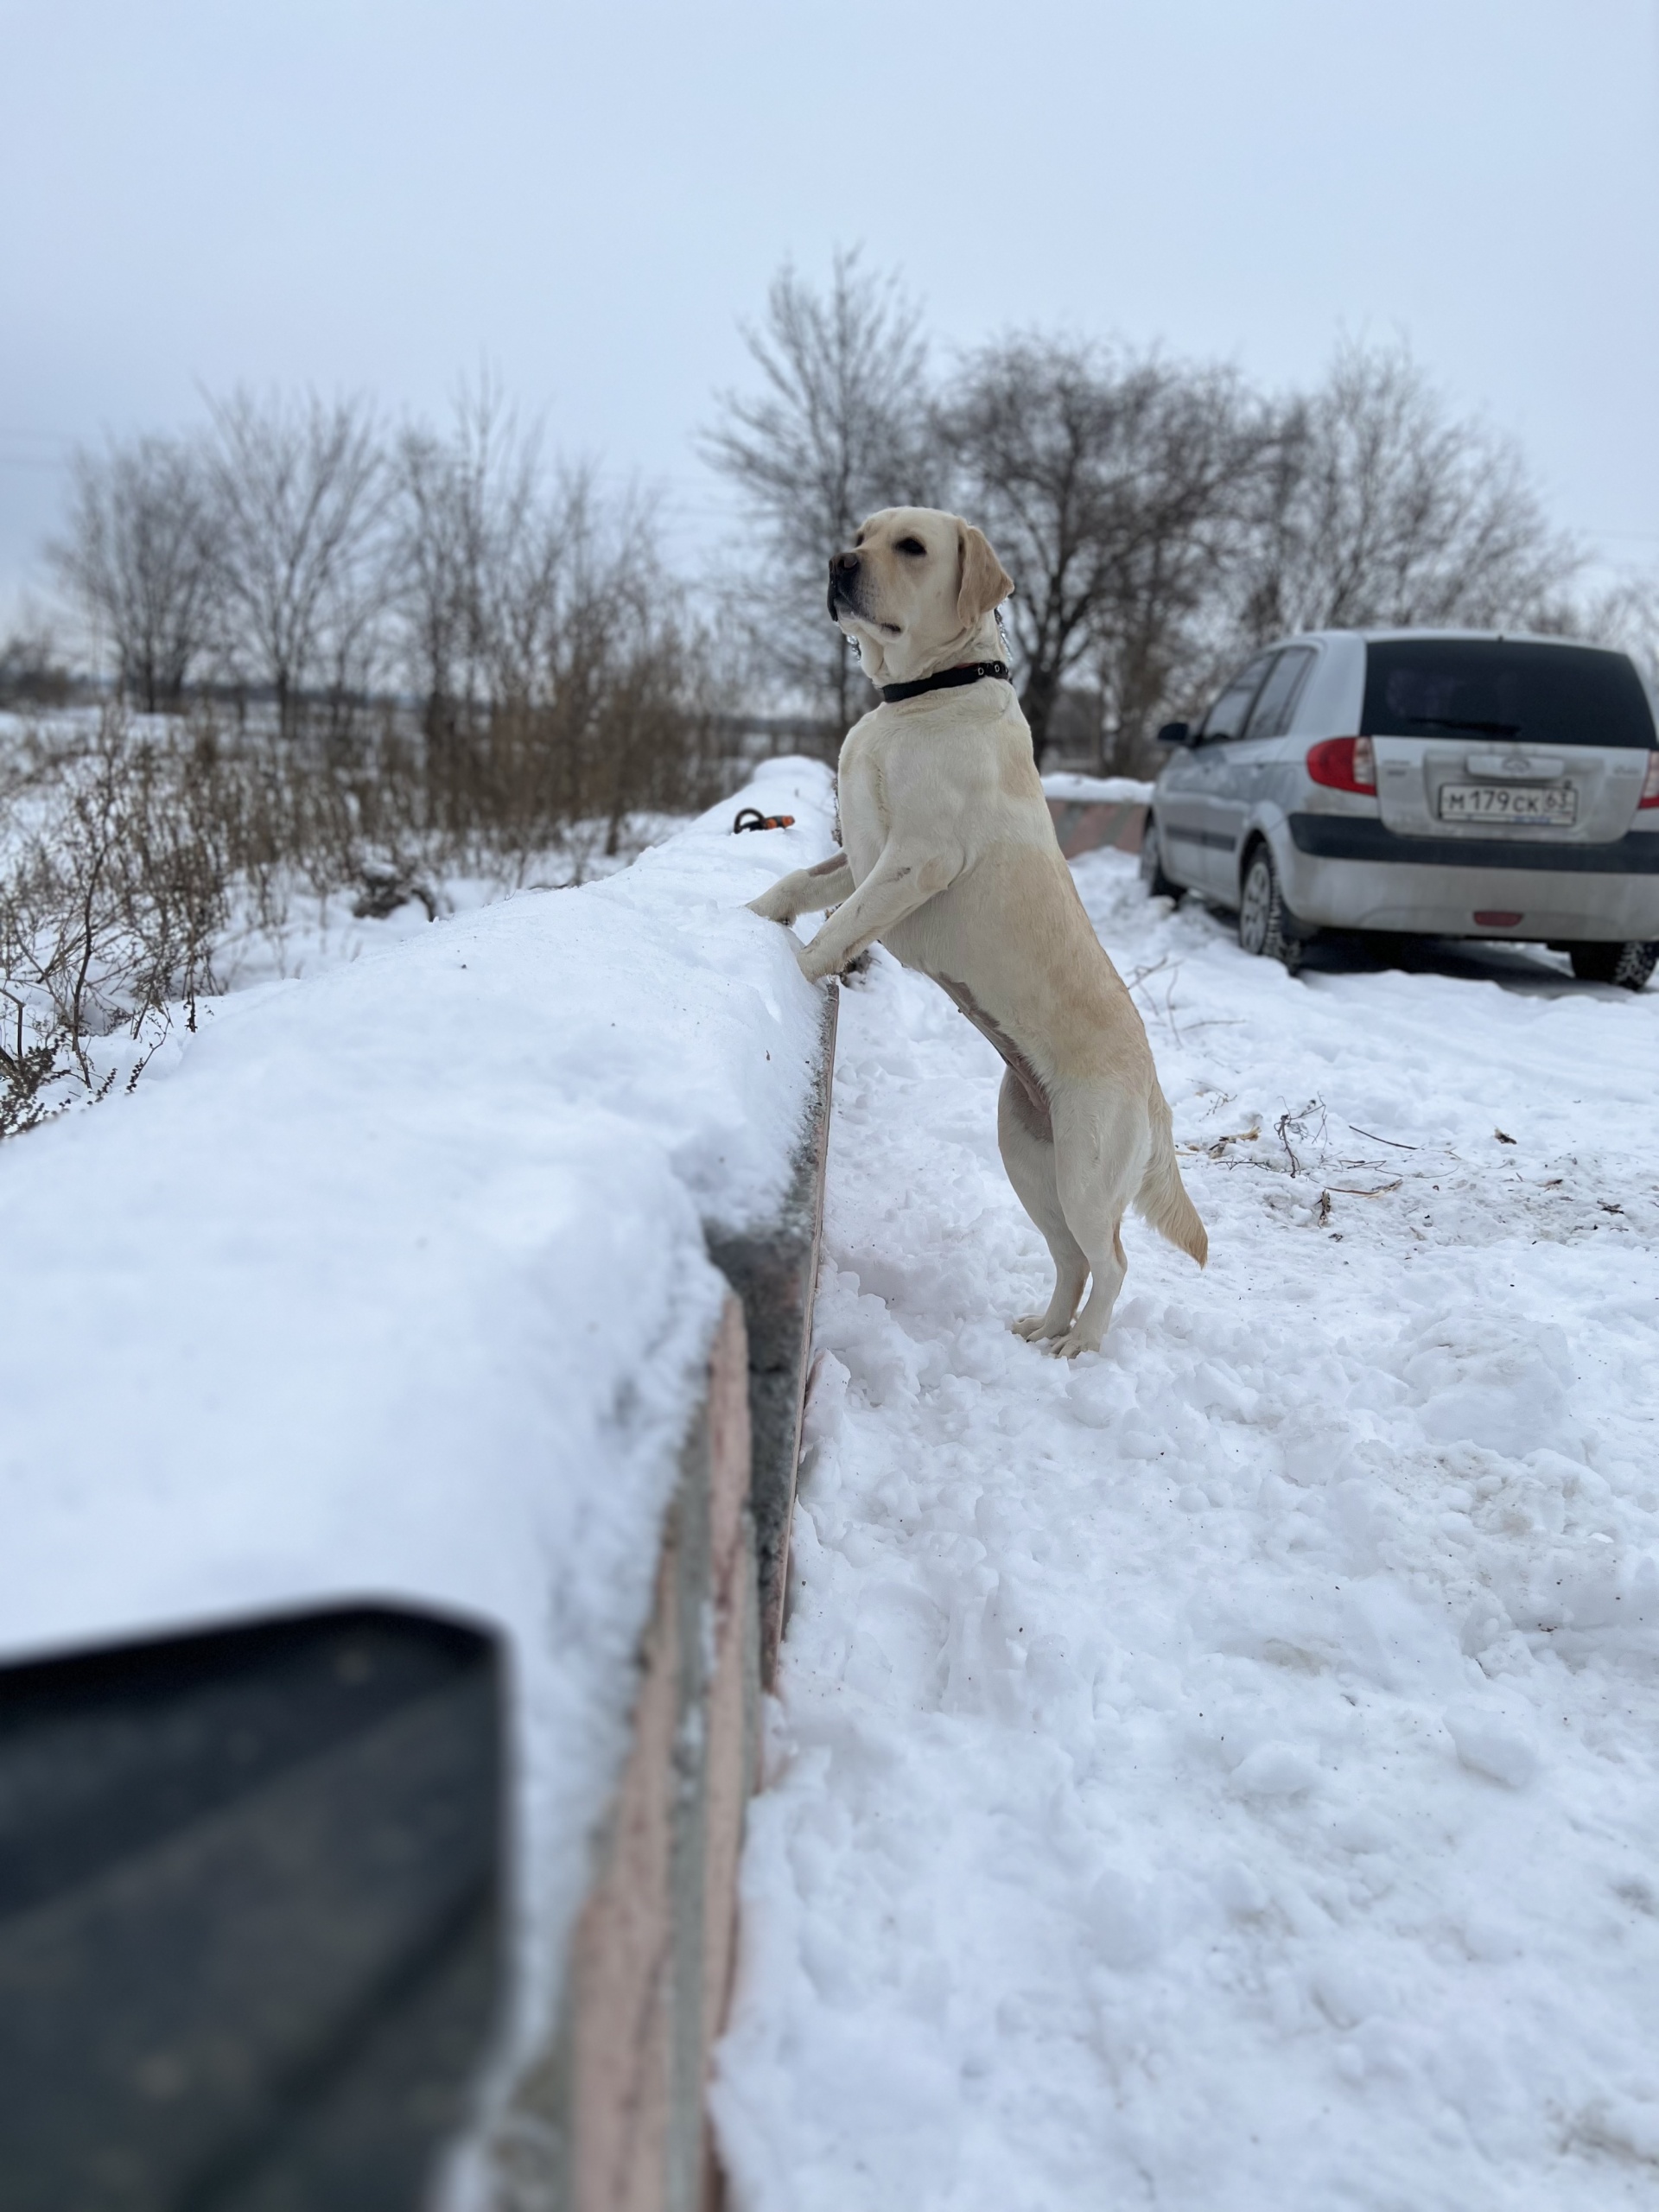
[(1224, 1774), (1097, 791), (393, 1285)]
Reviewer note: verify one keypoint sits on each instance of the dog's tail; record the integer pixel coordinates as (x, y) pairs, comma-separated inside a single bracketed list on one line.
[(1162, 1196)]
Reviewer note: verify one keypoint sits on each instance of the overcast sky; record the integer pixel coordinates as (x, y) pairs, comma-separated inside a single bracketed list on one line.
[(381, 194)]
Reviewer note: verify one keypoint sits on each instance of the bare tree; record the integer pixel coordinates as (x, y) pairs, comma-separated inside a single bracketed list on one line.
[(1380, 506), (499, 561), (431, 564), (840, 429), (564, 676), (476, 558), (300, 495), (600, 684), (1109, 489), (32, 669), (1622, 611), (138, 560), (631, 690)]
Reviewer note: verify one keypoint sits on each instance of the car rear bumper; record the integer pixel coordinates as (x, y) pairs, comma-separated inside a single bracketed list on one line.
[(1351, 872)]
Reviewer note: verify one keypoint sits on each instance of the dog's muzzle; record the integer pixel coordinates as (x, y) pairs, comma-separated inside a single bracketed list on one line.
[(843, 584)]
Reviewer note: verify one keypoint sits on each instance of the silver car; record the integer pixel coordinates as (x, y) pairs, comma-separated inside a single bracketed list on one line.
[(1429, 783)]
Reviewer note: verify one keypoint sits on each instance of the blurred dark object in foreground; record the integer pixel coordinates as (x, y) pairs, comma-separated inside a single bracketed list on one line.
[(250, 1916)]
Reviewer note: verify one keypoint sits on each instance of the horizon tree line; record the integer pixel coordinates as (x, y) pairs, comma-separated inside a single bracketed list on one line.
[(1160, 518)]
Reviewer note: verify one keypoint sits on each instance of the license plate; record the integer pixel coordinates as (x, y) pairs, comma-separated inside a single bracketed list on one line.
[(1552, 805)]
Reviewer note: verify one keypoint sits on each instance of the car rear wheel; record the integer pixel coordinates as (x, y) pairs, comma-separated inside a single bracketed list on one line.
[(1628, 965), (1154, 881), (1265, 925)]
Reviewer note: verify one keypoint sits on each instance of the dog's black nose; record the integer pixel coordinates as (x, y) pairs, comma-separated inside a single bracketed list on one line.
[(843, 566)]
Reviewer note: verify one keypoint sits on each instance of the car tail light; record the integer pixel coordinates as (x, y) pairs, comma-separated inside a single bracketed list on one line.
[(1344, 764), (1650, 783)]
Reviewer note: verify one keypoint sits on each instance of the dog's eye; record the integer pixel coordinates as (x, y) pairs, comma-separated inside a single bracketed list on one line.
[(913, 546)]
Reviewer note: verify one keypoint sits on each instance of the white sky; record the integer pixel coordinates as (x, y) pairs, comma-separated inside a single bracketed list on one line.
[(381, 194)]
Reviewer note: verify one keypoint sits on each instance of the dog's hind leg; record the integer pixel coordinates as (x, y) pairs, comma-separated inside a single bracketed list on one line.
[(1101, 1144), (1025, 1140)]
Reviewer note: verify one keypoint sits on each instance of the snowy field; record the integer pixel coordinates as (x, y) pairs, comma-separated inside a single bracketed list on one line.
[(1224, 1774)]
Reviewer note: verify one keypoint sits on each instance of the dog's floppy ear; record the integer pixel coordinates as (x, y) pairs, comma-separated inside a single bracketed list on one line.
[(984, 583)]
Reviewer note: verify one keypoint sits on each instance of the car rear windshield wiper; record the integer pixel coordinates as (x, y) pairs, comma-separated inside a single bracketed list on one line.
[(1446, 721)]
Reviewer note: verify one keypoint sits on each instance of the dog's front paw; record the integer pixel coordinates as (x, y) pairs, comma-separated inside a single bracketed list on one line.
[(771, 908), (1029, 1326)]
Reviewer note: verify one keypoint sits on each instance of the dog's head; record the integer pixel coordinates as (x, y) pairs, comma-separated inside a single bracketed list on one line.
[(917, 591)]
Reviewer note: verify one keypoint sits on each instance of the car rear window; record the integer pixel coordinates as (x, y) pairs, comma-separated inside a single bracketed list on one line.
[(1536, 693)]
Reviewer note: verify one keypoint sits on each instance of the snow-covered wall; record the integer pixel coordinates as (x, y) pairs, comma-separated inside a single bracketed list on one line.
[(396, 1286)]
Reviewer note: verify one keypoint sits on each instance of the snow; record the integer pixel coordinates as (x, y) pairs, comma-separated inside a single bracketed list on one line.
[(307, 934), (1097, 791), (392, 1285), (1223, 1772)]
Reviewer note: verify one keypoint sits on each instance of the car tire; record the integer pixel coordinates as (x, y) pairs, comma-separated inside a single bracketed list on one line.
[(1628, 965), (1266, 925), (1154, 881)]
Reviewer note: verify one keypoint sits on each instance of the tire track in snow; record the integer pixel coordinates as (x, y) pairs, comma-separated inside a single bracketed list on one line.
[(1223, 1772)]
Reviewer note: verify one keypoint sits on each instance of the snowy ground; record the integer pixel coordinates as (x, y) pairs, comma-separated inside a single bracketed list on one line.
[(308, 935), (1221, 1774)]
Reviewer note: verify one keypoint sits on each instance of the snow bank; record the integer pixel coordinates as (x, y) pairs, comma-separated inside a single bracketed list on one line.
[(1221, 1774), (1098, 790), (394, 1286)]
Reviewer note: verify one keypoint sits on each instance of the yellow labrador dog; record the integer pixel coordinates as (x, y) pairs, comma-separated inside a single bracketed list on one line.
[(952, 862)]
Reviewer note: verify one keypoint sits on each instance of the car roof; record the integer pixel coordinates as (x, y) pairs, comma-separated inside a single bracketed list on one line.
[(1370, 636)]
